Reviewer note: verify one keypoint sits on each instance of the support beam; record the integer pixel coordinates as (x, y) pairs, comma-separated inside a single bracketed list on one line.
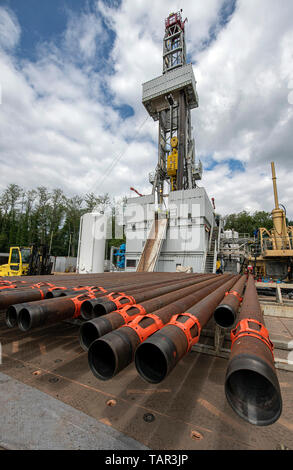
[(182, 140)]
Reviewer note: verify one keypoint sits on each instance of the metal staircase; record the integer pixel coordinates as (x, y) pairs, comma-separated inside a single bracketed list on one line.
[(153, 245), (211, 258)]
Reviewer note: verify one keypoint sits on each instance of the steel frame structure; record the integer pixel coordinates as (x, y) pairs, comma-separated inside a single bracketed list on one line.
[(169, 99)]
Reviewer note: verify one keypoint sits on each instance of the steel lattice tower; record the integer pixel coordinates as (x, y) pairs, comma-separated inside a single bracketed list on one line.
[(169, 99)]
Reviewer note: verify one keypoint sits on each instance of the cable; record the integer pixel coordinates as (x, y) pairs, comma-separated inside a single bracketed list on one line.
[(117, 159)]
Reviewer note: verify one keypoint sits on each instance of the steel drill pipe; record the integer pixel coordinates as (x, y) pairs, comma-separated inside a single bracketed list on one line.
[(94, 308), (251, 385), (107, 277), (226, 312), (109, 303), (7, 288), (113, 352), (29, 293), (21, 296), (13, 311), (98, 307), (78, 279), (58, 292), (38, 313), (27, 296), (11, 316), (156, 357), (35, 314), (97, 327), (62, 292)]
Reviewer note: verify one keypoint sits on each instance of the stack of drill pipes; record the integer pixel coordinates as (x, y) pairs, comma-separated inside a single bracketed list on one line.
[(33, 314), (171, 343), (127, 287), (111, 353), (146, 302), (77, 277), (16, 296), (115, 300), (15, 301)]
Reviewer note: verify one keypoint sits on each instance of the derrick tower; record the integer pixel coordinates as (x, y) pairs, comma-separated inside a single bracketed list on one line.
[(168, 99)]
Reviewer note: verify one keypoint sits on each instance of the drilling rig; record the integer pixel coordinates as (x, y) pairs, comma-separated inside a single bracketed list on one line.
[(175, 224), (168, 99)]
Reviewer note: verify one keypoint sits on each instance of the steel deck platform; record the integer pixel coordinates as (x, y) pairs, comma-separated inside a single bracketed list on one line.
[(188, 410)]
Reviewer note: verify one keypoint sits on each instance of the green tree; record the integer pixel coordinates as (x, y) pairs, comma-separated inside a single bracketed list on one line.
[(70, 230), (244, 222)]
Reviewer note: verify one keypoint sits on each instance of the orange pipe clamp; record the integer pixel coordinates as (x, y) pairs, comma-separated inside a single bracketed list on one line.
[(234, 292), (144, 333), (128, 318), (245, 330), (78, 300), (186, 327), (121, 296)]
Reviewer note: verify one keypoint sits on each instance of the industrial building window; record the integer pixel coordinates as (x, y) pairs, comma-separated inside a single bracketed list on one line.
[(131, 263)]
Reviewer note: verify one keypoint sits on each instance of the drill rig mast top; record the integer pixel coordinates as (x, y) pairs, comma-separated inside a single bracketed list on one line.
[(169, 99)]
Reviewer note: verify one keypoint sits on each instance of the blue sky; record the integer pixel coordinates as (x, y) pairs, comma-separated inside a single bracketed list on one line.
[(39, 24), (71, 74), (46, 21)]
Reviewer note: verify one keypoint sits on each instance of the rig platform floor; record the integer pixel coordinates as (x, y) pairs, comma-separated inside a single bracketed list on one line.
[(186, 411)]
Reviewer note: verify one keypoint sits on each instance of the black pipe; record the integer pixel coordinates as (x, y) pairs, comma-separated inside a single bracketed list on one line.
[(156, 357), (112, 352), (12, 313), (251, 385), (111, 321), (226, 312)]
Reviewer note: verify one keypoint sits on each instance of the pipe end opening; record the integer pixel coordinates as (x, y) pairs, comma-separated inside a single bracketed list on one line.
[(11, 317), (24, 320), (224, 316), (102, 360), (86, 310), (151, 363), (254, 395), (87, 335)]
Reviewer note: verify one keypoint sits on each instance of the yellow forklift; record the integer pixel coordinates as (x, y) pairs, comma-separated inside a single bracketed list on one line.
[(27, 261)]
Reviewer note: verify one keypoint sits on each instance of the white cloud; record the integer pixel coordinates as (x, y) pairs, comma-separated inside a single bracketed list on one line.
[(84, 36), (58, 126), (9, 29), (244, 109), (139, 28)]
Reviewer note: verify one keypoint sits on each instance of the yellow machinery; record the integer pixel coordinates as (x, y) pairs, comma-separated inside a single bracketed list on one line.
[(27, 261), (274, 254), (172, 163), (18, 262)]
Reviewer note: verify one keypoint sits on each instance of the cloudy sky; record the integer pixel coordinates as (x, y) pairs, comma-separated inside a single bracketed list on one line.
[(71, 113)]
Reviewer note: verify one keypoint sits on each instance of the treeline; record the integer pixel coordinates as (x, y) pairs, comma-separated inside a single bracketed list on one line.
[(44, 217), (244, 222), (49, 217)]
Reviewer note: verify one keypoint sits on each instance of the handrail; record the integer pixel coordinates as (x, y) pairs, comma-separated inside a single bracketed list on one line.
[(215, 258), (219, 234), (211, 235)]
